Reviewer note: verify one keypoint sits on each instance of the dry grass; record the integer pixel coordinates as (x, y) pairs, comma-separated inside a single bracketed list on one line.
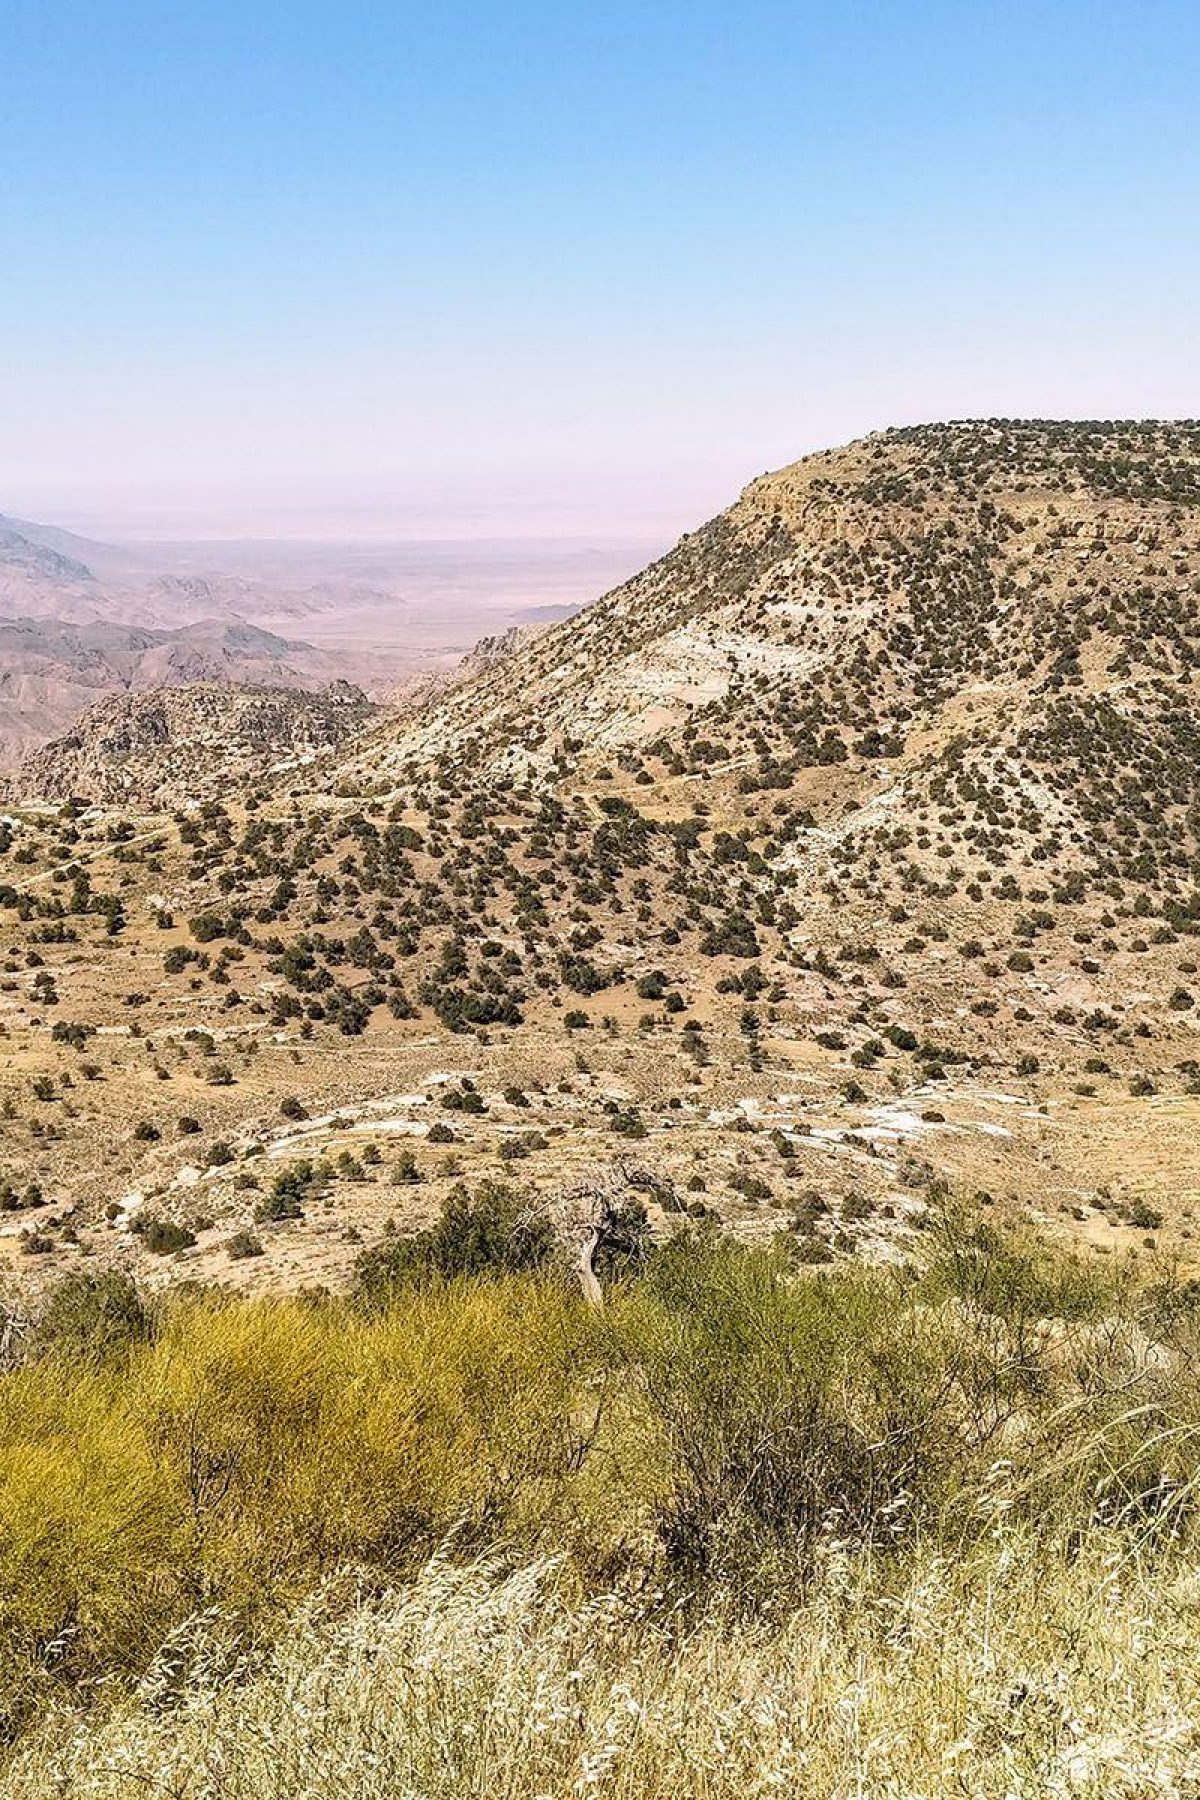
[(860, 1534), (251, 1449), (1008, 1676)]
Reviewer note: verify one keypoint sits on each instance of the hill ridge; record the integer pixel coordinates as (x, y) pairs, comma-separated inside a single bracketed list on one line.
[(850, 848)]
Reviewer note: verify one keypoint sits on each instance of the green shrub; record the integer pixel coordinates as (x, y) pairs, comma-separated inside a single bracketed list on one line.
[(291, 1189), (497, 1229), (90, 1318), (163, 1236), (241, 1245)]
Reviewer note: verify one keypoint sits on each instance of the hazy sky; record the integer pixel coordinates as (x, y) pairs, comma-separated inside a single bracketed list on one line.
[(274, 265)]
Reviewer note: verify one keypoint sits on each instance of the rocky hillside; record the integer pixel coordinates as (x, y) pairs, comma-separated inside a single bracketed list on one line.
[(851, 848), (176, 743), (51, 669), (920, 581), (937, 686)]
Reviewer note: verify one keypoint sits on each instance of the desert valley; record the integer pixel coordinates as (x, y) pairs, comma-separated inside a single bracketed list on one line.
[(80, 619)]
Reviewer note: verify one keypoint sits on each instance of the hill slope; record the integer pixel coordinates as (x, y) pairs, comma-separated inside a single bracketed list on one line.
[(180, 743), (850, 847)]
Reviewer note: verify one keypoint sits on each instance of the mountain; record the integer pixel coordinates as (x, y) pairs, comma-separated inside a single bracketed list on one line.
[(178, 743), (22, 554), (87, 553), (37, 575), (51, 669), (50, 574), (851, 849)]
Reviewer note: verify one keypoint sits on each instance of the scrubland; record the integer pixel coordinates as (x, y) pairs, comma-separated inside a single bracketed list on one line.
[(745, 1529)]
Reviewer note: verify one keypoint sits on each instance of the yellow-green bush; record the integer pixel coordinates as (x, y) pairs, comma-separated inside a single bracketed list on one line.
[(255, 1446), (717, 1426)]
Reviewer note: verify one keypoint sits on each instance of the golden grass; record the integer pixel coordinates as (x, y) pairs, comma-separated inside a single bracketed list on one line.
[(253, 1448), (1011, 1677), (740, 1532)]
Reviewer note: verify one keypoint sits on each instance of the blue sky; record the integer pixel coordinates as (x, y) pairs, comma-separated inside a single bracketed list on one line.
[(525, 266)]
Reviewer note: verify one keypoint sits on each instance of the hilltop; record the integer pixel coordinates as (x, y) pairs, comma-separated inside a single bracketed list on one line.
[(54, 670), (849, 849)]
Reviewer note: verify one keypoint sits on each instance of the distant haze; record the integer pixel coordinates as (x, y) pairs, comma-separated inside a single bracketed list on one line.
[(596, 511), (81, 616)]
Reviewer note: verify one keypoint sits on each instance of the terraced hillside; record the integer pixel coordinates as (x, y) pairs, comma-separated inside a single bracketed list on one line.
[(851, 848)]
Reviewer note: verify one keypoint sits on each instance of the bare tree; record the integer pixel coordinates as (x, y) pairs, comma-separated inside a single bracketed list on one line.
[(589, 1214)]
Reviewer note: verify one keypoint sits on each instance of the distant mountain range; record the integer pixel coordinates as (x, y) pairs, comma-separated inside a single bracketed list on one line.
[(52, 668), (46, 573), (80, 618), (39, 574)]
